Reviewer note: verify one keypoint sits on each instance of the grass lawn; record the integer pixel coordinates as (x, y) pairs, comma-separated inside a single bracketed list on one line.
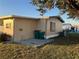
[(71, 38), (62, 48)]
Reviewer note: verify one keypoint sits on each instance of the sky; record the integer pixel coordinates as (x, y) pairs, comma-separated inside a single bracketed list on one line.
[(25, 8)]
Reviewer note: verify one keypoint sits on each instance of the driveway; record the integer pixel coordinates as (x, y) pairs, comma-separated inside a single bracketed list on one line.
[(36, 42)]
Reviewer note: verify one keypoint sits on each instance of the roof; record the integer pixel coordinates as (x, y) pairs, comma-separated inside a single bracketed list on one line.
[(14, 16), (66, 24), (31, 18), (58, 17)]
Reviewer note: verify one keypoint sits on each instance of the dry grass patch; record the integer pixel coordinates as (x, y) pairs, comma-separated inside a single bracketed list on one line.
[(50, 51), (60, 49)]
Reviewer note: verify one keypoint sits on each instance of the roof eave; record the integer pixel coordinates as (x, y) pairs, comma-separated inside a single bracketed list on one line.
[(58, 18)]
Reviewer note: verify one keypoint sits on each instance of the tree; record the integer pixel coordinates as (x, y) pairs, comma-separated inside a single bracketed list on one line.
[(43, 5), (71, 7)]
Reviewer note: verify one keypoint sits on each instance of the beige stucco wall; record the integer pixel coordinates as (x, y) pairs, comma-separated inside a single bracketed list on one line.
[(1, 29), (24, 28), (1, 25), (42, 25), (58, 26), (8, 31), (1, 22)]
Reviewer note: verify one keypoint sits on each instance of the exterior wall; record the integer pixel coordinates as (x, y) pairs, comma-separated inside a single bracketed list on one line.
[(42, 25), (58, 26), (9, 30), (1, 22), (24, 28), (1, 29), (1, 25)]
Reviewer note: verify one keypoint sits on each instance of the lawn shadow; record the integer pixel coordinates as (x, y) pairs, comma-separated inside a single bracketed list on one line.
[(65, 40)]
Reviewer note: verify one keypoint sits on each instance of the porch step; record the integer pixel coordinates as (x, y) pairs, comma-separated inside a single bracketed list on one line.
[(51, 36)]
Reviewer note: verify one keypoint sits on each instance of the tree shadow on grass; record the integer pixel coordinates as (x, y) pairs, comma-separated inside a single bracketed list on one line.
[(65, 40)]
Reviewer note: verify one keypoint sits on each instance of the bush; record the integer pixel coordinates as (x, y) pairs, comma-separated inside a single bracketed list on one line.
[(4, 37)]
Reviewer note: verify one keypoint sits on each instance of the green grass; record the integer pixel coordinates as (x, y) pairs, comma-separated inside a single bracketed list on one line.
[(62, 48), (74, 34), (71, 38)]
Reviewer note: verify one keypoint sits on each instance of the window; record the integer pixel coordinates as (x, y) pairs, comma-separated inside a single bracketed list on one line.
[(8, 25), (52, 27)]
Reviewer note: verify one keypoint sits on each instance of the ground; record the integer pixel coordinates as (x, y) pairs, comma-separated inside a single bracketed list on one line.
[(59, 49)]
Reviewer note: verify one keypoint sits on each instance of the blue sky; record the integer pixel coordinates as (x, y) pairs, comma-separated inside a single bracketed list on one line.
[(24, 8)]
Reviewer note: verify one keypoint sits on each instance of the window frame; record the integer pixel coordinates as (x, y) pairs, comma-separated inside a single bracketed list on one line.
[(52, 26)]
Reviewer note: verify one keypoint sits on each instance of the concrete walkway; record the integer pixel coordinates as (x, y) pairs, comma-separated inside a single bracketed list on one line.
[(36, 42)]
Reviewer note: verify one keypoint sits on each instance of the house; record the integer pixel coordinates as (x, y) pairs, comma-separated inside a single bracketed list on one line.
[(67, 26), (76, 27), (20, 27)]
